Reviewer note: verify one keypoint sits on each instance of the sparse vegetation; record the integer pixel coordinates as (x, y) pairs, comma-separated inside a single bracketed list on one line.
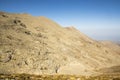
[(57, 77), (18, 22), (23, 25), (4, 16), (27, 32)]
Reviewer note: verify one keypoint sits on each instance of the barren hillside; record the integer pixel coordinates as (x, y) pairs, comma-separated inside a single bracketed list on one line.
[(37, 45)]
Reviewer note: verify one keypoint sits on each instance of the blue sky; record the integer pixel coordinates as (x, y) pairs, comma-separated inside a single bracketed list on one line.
[(99, 19)]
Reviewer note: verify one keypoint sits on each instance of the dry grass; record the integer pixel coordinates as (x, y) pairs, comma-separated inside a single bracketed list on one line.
[(57, 77)]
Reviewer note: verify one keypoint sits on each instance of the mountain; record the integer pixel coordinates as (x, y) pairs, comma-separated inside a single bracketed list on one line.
[(38, 45)]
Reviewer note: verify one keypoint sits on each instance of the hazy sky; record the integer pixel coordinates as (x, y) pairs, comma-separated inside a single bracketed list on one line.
[(99, 19)]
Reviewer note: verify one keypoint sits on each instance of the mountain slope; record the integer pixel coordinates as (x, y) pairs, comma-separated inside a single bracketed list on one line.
[(37, 45)]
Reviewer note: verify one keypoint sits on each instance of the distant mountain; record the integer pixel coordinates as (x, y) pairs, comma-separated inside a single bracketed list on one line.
[(38, 45)]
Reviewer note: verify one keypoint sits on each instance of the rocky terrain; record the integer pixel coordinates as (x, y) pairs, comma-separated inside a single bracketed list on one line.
[(37, 45)]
